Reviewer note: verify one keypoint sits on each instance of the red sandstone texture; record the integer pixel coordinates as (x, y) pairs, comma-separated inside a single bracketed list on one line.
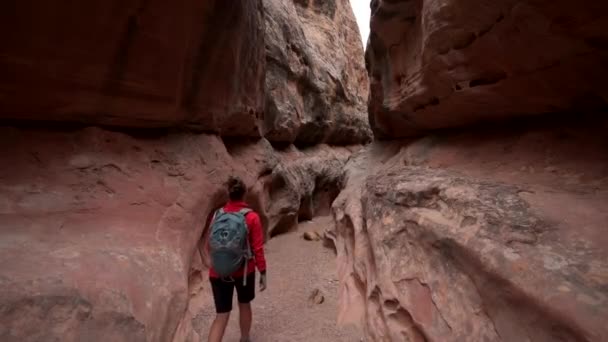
[(481, 232), (129, 63), (439, 64), (101, 229), (316, 84), (478, 236)]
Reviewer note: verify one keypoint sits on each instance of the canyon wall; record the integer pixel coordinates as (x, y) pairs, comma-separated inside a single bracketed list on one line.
[(316, 85), (101, 226), (479, 214), (439, 64), (199, 64), (478, 236)]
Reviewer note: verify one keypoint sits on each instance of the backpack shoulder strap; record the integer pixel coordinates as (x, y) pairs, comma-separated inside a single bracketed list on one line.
[(217, 213), (245, 211), (248, 251)]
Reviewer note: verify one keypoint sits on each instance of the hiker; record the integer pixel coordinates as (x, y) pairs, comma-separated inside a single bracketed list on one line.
[(236, 239)]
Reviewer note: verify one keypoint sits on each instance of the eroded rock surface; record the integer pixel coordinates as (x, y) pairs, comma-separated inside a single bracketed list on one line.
[(480, 233), (130, 63), (438, 64), (97, 231), (304, 186), (100, 230), (494, 236), (316, 85)]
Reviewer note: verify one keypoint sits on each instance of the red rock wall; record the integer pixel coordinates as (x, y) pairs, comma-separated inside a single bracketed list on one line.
[(196, 63), (100, 228), (316, 85), (493, 229), (478, 236), (438, 64)]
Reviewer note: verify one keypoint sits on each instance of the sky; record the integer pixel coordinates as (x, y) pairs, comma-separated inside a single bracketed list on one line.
[(362, 11)]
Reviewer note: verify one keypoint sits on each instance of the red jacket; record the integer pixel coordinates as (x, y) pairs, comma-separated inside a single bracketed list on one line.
[(256, 240)]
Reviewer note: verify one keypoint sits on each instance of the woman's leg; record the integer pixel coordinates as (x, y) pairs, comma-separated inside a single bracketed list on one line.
[(245, 295), (245, 319), (223, 292)]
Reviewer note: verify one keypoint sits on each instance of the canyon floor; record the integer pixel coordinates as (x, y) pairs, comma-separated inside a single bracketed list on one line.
[(285, 311)]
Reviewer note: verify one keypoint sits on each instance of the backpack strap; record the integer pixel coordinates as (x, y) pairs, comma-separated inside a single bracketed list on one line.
[(244, 212), (218, 212)]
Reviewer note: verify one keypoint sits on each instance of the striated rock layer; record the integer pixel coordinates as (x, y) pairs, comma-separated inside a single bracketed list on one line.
[(495, 235), (438, 64), (316, 85)]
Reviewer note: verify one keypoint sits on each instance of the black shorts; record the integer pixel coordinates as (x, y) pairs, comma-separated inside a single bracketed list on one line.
[(223, 291)]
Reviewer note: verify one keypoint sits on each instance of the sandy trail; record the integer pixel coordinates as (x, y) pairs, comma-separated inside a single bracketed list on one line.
[(284, 313)]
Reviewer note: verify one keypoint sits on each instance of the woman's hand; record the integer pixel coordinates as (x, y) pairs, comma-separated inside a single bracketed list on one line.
[(263, 282)]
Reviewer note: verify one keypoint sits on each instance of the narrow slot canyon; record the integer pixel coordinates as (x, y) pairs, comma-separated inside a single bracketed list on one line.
[(303, 278), (445, 180), (307, 277)]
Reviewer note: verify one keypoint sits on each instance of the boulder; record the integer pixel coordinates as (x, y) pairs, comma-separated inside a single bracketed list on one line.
[(130, 63), (316, 298), (441, 64), (311, 236), (316, 86)]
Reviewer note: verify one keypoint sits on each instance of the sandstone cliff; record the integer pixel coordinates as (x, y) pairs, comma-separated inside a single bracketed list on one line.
[(484, 232), (438, 64), (496, 236), (101, 227), (316, 84), (131, 63)]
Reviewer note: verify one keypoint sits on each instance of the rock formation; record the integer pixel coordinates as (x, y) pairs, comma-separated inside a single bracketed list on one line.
[(101, 226), (472, 237), (199, 64), (484, 232), (316, 86), (452, 63)]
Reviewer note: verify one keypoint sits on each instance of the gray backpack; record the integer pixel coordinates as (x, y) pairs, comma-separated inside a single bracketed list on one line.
[(229, 242)]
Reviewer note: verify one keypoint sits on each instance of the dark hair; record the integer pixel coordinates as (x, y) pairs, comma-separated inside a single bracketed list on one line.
[(236, 188)]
